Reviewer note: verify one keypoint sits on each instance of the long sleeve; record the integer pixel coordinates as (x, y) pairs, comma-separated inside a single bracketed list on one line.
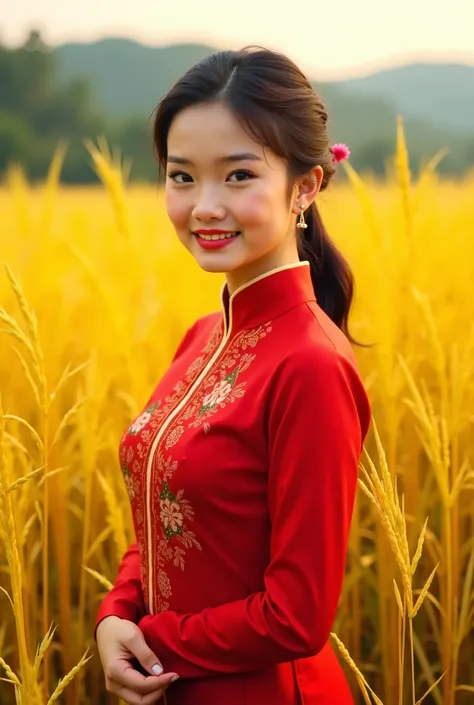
[(318, 416), (125, 599)]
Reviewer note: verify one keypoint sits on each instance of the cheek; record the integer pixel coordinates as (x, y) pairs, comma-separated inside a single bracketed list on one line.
[(176, 209), (255, 209)]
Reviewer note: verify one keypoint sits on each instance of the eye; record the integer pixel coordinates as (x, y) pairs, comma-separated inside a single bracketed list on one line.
[(243, 172), (173, 175)]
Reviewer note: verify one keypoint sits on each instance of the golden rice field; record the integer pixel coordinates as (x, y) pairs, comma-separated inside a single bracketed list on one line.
[(95, 297)]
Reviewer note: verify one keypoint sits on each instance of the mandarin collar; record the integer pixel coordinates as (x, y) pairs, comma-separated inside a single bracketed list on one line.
[(267, 296)]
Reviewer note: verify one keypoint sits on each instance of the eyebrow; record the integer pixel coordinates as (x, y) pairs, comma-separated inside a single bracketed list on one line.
[(239, 157)]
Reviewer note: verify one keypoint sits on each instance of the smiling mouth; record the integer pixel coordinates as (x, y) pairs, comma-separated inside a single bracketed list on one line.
[(221, 236)]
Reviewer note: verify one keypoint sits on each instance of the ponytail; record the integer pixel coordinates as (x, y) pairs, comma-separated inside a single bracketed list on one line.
[(332, 278)]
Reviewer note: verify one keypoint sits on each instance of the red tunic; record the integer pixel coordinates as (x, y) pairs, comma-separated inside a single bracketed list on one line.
[(242, 472)]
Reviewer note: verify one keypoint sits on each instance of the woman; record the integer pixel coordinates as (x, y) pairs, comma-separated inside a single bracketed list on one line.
[(242, 468)]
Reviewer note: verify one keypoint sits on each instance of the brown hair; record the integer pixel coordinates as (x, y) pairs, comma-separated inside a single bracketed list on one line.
[(276, 104)]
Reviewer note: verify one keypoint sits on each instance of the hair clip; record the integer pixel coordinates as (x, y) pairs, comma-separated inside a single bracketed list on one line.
[(340, 151)]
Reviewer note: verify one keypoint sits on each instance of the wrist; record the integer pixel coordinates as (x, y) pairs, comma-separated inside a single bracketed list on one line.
[(105, 619)]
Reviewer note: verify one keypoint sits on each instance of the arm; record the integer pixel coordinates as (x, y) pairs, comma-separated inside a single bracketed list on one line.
[(125, 599), (318, 417)]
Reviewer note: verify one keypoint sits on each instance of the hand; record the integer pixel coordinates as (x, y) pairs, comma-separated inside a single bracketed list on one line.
[(120, 643)]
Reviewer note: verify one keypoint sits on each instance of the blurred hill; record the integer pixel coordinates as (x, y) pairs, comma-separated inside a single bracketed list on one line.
[(441, 94), (437, 101), (111, 87), (129, 78)]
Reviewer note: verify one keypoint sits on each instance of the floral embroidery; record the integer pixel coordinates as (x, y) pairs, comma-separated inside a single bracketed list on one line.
[(171, 517), (214, 339), (175, 512), (194, 367), (143, 419), (164, 584), (129, 484), (171, 513), (221, 386), (134, 450), (174, 437), (220, 392), (251, 338)]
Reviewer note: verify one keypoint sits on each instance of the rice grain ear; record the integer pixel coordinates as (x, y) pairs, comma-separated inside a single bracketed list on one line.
[(64, 682), (431, 688), (101, 578), (114, 517), (419, 548), (12, 676), (7, 521), (424, 592), (113, 300), (359, 675)]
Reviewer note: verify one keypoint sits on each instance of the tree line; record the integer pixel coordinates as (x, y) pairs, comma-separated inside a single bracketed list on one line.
[(36, 113)]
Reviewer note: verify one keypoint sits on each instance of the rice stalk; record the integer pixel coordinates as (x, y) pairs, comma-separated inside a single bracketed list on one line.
[(64, 682), (51, 187), (382, 492), (13, 559), (113, 176), (114, 517), (42, 439), (101, 578)]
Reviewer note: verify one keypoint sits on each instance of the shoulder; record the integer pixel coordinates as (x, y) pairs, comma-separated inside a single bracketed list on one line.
[(318, 371), (317, 346), (316, 364), (204, 324), (198, 333), (208, 322), (204, 328)]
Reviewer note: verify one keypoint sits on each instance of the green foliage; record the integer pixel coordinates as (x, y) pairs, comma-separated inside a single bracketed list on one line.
[(17, 139), (111, 87)]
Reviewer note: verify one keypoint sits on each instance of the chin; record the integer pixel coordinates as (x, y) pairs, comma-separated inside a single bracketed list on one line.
[(213, 264), (215, 261)]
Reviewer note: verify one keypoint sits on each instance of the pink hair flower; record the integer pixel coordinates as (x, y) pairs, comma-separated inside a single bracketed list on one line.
[(340, 151)]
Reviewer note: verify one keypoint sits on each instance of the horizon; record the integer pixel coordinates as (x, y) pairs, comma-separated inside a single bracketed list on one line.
[(361, 71), (357, 40)]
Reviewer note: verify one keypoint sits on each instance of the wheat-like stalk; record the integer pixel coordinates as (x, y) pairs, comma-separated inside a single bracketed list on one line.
[(382, 491), (12, 676), (101, 578), (64, 682), (114, 517), (113, 176), (408, 598), (359, 675), (13, 558)]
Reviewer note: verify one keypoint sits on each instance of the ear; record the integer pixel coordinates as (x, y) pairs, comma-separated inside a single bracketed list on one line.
[(307, 188)]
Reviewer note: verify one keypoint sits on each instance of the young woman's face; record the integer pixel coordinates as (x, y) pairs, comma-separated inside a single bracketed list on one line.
[(220, 179)]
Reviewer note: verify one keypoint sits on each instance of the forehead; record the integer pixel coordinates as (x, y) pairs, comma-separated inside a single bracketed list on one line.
[(209, 132)]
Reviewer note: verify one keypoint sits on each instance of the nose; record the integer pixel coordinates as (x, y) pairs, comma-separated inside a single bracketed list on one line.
[(208, 206)]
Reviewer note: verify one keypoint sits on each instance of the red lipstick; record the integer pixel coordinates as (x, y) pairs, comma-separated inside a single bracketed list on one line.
[(212, 231), (219, 242)]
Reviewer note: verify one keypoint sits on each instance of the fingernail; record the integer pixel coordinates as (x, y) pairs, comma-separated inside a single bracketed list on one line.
[(157, 670), (175, 678)]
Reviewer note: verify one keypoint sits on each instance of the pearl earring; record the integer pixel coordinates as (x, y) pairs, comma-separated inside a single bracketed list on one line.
[(301, 223)]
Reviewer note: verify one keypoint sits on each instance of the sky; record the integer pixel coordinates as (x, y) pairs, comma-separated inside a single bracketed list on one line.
[(333, 39)]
